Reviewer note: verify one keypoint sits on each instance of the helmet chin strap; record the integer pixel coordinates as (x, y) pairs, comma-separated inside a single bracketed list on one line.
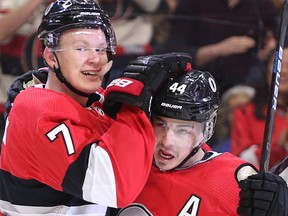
[(62, 79), (194, 150), (192, 153)]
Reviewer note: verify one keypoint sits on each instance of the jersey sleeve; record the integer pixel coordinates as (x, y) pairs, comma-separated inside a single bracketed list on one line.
[(131, 146)]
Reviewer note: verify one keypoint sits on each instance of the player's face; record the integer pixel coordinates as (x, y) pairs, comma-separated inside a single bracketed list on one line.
[(175, 139), (83, 58)]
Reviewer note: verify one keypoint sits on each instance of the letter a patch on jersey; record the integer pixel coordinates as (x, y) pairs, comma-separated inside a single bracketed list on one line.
[(191, 207)]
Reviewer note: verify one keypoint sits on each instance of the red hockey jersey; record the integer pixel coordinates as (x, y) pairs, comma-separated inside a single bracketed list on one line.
[(207, 188), (57, 156)]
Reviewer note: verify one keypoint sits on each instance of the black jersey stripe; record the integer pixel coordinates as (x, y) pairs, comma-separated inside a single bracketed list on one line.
[(33, 193)]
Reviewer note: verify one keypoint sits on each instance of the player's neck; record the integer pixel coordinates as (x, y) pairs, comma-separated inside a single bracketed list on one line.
[(54, 84), (195, 158), (198, 156)]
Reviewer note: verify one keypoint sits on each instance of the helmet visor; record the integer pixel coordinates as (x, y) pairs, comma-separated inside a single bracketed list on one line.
[(82, 39), (53, 38), (82, 44), (183, 131)]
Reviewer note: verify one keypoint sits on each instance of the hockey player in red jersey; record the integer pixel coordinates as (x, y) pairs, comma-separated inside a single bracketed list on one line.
[(169, 185), (186, 179), (59, 157)]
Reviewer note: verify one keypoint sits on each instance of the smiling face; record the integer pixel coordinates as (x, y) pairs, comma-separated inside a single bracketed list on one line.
[(175, 139), (82, 57)]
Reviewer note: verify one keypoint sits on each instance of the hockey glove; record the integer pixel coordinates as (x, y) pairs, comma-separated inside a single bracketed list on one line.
[(141, 78), (263, 194), (22, 82)]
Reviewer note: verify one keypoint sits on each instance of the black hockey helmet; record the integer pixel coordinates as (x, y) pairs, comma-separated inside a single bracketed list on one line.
[(62, 15), (192, 96)]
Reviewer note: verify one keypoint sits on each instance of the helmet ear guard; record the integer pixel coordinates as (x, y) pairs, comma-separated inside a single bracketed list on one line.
[(51, 40), (209, 125)]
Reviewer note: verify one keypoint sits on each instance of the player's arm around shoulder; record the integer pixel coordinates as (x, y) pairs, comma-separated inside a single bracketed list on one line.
[(119, 161), (131, 149), (130, 145)]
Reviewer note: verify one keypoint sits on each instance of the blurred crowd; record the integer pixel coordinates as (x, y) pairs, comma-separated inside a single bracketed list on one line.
[(234, 40)]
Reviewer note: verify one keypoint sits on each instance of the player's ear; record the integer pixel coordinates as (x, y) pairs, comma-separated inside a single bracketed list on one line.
[(49, 58)]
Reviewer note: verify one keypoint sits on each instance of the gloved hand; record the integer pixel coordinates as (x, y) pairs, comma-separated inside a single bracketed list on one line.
[(263, 194), (22, 82), (141, 78)]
